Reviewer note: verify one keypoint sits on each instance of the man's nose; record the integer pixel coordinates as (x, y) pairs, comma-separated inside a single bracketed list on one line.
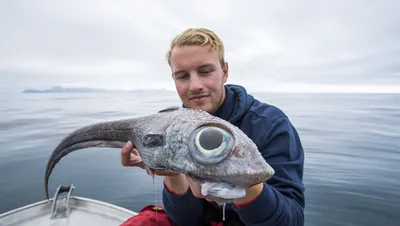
[(195, 83)]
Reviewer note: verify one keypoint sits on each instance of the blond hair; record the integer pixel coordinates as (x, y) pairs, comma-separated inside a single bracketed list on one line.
[(200, 37)]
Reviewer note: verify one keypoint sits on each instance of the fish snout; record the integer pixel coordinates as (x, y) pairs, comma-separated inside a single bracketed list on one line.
[(249, 168), (250, 177)]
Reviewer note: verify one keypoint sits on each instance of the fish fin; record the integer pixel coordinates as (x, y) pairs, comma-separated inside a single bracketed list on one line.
[(168, 109), (153, 140)]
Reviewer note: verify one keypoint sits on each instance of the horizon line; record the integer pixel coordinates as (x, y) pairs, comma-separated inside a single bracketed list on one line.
[(277, 88)]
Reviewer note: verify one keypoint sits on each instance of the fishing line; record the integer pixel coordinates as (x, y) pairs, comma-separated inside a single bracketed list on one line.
[(223, 212), (155, 197)]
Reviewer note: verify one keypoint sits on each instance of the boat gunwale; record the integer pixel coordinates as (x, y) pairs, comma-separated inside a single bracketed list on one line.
[(77, 198)]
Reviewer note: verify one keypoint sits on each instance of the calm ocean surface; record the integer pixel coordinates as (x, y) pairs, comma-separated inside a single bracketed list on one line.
[(351, 141)]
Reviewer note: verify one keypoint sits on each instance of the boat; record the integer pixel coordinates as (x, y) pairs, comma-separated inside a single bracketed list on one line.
[(67, 210)]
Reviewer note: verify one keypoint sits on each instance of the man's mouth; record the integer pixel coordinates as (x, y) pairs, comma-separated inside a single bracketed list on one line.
[(199, 97)]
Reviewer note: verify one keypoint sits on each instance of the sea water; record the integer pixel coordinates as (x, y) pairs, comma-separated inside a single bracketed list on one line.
[(351, 144)]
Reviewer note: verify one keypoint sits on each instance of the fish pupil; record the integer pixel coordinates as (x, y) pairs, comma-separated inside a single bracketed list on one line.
[(210, 139)]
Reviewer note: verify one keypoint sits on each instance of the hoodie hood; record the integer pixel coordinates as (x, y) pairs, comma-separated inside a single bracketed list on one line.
[(236, 103)]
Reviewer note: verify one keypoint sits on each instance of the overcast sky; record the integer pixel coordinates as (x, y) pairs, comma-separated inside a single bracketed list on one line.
[(270, 45)]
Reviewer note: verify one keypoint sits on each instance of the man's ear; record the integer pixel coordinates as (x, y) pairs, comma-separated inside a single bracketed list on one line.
[(225, 71)]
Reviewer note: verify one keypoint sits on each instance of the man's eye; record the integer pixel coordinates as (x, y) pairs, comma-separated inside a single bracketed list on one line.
[(181, 76), (205, 72)]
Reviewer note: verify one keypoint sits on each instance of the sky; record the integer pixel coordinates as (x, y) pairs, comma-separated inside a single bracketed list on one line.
[(271, 46)]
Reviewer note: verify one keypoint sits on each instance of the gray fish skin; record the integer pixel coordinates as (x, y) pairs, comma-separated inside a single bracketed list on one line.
[(162, 140)]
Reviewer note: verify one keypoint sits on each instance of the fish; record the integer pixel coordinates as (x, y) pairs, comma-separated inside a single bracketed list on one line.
[(210, 150)]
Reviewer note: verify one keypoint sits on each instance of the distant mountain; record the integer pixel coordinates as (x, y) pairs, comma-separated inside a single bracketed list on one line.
[(59, 89)]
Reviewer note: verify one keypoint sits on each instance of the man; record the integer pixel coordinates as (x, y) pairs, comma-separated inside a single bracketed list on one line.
[(196, 58)]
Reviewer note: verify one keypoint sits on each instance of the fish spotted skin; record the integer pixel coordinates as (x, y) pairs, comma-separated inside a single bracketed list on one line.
[(162, 140)]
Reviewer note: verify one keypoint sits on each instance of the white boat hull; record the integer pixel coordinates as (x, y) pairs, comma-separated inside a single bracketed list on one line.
[(80, 211)]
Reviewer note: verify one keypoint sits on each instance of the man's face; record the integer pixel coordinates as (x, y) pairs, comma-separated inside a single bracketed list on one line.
[(199, 77)]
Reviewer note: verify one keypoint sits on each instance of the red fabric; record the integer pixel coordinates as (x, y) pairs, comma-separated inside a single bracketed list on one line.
[(213, 223), (150, 215)]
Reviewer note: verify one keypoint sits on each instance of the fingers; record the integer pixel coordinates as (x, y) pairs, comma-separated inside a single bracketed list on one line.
[(126, 153), (153, 172), (165, 173), (159, 172), (195, 187), (130, 156), (134, 157)]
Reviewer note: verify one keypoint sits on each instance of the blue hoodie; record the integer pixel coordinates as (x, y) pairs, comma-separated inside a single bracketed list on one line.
[(281, 202)]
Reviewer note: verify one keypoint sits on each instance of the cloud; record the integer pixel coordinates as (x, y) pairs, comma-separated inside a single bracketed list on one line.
[(114, 43)]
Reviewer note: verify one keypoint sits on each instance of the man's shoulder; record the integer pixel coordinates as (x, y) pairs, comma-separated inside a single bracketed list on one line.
[(261, 120), (251, 114), (265, 112)]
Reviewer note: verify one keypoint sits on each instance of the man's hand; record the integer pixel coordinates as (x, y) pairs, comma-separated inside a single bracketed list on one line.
[(251, 194), (175, 181), (131, 157)]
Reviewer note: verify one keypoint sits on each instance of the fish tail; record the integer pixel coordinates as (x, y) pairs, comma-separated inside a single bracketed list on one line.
[(112, 134)]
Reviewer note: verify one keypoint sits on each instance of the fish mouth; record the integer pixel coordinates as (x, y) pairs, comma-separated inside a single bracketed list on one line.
[(222, 192)]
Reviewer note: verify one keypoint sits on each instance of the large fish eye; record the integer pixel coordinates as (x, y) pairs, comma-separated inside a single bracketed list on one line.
[(210, 144)]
